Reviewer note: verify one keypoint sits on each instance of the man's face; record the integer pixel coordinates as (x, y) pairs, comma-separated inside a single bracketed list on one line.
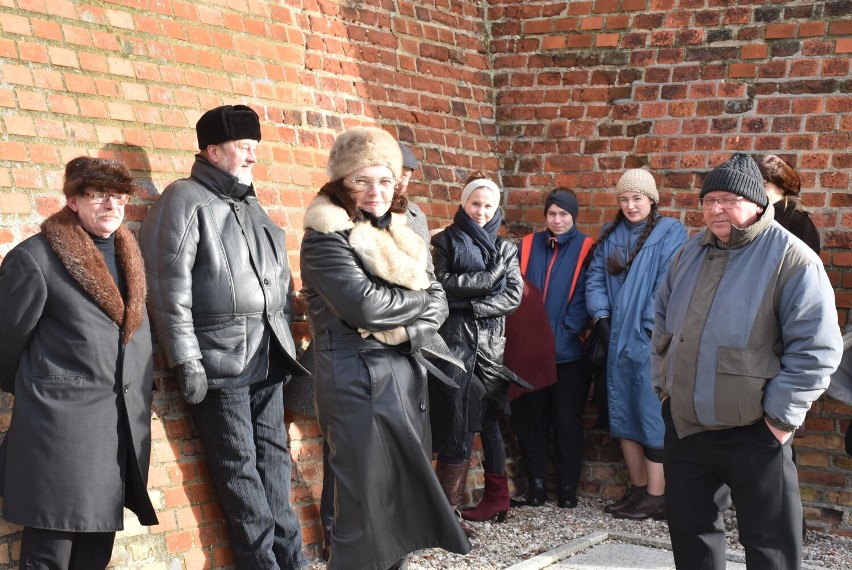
[(404, 180), (98, 219), (723, 210), (235, 157)]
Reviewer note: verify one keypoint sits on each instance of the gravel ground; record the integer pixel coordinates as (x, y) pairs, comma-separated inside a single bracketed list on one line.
[(529, 531)]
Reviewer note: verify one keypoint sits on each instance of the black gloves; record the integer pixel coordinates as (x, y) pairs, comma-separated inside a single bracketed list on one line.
[(192, 380), (597, 345)]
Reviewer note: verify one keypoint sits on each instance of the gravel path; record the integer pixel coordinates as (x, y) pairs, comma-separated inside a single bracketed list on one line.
[(529, 531)]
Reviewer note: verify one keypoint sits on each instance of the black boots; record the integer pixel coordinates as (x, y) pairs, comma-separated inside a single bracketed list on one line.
[(649, 507), (536, 493), (567, 496), (632, 496)]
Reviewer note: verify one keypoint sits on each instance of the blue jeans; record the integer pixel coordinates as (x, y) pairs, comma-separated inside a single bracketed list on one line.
[(242, 430)]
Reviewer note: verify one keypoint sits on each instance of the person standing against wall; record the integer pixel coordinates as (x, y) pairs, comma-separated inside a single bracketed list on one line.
[(221, 305), (554, 261), (630, 261), (480, 274), (76, 353), (372, 305), (745, 339), (782, 184)]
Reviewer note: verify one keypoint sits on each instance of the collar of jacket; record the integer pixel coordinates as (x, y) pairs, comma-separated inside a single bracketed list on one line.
[(218, 181), (741, 237), (396, 254), (85, 263)]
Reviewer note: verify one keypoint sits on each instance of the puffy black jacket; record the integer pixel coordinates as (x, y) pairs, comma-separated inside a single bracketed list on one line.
[(217, 273)]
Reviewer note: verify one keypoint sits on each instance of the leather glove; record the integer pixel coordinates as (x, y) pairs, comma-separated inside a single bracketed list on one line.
[(390, 337), (192, 380), (602, 329)]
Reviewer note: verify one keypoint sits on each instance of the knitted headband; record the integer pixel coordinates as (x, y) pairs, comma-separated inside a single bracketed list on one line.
[(564, 200), (475, 185)]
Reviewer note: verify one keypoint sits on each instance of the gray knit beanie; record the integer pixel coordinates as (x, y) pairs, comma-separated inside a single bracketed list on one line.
[(409, 161), (739, 175)]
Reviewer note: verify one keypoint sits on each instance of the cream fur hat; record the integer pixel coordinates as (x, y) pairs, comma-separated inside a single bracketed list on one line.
[(363, 146), (638, 180)]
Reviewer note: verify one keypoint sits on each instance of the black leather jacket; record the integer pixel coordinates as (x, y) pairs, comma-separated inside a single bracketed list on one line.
[(218, 278)]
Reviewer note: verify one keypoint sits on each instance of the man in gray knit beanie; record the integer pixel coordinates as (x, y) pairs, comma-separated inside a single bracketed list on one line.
[(745, 338)]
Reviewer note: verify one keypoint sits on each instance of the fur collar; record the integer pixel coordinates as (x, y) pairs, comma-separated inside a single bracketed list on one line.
[(397, 255), (84, 262)]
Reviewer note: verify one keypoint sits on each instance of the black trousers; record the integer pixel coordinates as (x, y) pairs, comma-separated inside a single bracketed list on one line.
[(560, 406), (60, 550), (764, 487)]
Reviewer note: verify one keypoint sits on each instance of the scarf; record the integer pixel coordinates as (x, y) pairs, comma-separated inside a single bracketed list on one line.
[(474, 246)]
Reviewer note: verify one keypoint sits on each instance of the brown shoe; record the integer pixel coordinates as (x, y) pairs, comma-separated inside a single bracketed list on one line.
[(650, 507), (632, 496)]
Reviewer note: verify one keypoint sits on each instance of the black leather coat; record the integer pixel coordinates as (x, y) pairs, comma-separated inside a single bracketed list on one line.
[(218, 278), (479, 344), (371, 397)]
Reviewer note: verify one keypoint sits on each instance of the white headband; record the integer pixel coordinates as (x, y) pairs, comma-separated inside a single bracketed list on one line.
[(475, 185)]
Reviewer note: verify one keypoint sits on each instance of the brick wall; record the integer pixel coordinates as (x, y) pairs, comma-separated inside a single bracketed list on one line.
[(539, 93)]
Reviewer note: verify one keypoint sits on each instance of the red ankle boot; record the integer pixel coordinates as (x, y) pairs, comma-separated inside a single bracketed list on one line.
[(495, 501)]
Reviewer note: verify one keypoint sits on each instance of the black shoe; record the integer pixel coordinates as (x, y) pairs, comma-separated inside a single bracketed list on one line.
[(632, 496), (650, 507), (567, 497), (537, 492)]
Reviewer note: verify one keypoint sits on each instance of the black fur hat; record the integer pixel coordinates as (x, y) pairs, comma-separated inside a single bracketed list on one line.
[(227, 123)]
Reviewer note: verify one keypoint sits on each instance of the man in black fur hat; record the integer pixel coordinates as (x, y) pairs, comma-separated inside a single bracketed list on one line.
[(221, 306), (76, 353)]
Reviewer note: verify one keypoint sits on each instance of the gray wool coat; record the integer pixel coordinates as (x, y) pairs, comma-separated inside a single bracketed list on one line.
[(78, 359)]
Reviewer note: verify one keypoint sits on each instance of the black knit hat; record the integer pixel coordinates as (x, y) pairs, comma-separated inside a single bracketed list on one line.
[(565, 199), (740, 176), (409, 161), (227, 123)]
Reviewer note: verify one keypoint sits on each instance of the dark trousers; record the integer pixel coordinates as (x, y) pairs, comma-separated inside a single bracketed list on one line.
[(559, 405), (60, 550), (764, 487), (242, 430), (493, 447), (327, 496)]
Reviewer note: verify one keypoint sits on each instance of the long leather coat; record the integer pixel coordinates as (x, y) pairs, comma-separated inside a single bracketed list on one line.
[(218, 278), (478, 346), (371, 397), (77, 357)]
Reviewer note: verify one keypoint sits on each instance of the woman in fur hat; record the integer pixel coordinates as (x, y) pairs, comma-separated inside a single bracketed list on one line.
[(782, 185), (372, 305), (482, 278), (630, 260)]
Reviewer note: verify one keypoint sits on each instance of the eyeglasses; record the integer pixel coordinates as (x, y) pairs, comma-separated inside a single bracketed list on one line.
[(724, 203), (362, 184), (104, 197)]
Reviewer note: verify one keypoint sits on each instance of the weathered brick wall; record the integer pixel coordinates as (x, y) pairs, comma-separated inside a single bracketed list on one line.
[(586, 89), (542, 93)]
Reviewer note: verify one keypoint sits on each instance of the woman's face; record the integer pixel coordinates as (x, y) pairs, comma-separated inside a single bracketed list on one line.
[(559, 221), (481, 205), (372, 189), (635, 207)]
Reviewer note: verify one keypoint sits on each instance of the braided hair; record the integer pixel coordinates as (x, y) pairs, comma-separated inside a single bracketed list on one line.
[(614, 263)]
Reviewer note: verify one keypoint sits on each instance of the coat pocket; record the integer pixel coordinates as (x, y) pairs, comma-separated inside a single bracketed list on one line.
[(741, 375), (661, 349), (223, 347)]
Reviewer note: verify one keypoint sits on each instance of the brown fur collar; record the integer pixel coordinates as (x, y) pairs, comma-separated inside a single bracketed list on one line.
[(84, 262), (397, 255)]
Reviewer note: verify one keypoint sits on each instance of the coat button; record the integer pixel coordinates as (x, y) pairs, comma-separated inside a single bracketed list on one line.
[(422, 405), (126, 389), (266, 281)]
